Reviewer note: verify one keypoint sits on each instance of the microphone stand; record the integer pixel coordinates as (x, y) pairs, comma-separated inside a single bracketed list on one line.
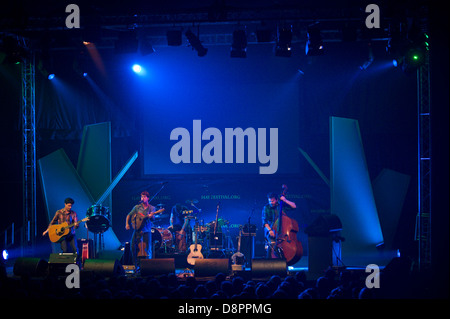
[(150, 239)]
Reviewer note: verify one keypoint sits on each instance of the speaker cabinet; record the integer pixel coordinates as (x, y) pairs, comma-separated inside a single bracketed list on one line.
[(263, 268), (34, 267), (211, 267), (104, 267), (57, 263), (157, 267)]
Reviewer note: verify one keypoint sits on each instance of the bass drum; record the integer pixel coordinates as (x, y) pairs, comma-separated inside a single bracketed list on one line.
[(99, 219), (161, 238)]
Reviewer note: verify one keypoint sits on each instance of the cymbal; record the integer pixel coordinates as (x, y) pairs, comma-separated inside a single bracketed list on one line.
[(160, 205), (191, 201)]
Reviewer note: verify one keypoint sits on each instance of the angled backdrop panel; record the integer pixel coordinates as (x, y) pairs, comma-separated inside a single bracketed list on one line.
[(351, 189), (60, 180)]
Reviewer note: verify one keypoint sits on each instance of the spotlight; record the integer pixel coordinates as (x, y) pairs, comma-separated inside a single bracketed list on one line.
[(195, 43), (5, 254), (284, 39), (51, 76), (137, 68), (239, 45), (85, 74), (314, 44)]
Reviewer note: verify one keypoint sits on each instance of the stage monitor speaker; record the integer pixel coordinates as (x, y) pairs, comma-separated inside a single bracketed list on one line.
[(34, 267), (157, 267), (211, 267), (57, 263), (262, 268), (104, 267)]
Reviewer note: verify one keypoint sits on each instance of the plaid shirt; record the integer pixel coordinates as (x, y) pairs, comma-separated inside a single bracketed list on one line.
[(139, 218), (270, 214), (61, 216)]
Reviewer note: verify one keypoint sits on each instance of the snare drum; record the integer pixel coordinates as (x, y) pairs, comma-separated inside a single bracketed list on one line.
[(99, 219)]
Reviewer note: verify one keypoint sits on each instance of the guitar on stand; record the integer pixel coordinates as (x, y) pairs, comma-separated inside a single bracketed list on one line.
[(195, 249), (238, 258), (142, 246)]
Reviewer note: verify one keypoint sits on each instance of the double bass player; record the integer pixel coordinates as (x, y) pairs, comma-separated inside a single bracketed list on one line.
[(281, 231)]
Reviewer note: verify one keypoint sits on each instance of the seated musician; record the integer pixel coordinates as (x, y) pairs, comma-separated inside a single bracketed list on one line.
[(179, 223), (270, 214)]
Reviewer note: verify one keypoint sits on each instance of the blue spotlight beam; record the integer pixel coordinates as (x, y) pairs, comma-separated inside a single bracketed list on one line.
[(352, 198)]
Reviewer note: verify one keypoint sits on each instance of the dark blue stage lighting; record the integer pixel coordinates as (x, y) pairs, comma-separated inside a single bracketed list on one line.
[(51, 76)]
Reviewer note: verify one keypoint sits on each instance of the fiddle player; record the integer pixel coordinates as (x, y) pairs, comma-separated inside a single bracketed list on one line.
[(270, 214)]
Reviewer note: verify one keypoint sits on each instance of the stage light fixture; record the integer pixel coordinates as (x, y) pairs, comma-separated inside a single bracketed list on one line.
[(239, 45), (195, 43), (5, 254), (51, 76), (314, 44), (284, 40), (136, 68)]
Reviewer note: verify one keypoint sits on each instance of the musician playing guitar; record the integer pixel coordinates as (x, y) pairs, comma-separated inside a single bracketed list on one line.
[(66, 215), (270, 214), (140, 219)]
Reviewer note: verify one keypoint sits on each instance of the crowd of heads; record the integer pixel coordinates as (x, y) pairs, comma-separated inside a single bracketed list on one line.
[(345, 284)]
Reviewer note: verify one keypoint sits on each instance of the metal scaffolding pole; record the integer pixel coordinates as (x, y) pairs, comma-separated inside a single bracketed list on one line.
[(423, 220), (29, 230)]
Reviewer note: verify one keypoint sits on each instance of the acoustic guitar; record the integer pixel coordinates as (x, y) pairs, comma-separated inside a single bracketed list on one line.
[(58, 232), (149, 215), (195, 250)]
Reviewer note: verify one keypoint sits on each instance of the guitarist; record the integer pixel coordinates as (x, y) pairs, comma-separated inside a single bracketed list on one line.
[(66, 215), (140, 219), (270, 214)]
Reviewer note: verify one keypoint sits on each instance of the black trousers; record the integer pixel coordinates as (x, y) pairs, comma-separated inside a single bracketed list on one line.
[(69, 240)]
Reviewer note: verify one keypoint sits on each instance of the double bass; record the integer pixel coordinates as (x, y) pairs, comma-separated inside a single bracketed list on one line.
[(285, 243)]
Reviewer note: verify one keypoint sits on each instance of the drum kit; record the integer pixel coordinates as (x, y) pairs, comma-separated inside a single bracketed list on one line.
[(209, 235)]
